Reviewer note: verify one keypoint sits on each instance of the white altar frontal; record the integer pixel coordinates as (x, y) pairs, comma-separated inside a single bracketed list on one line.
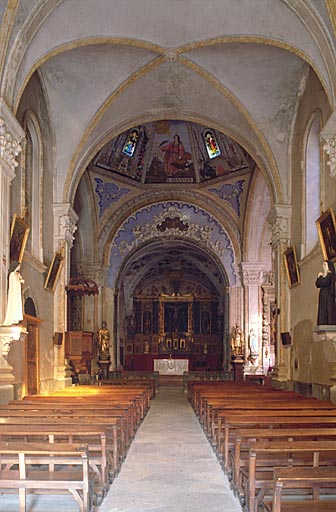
[(171, 366)]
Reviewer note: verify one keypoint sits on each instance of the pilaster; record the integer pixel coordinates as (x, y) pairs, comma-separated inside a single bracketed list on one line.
[(65, 219), (280, 222), (11, 138), (254, 275)]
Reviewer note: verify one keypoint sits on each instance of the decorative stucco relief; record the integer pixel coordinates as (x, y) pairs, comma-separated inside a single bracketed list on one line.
[(171, 220)]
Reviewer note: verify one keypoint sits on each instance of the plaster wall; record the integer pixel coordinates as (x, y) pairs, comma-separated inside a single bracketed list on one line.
[(33, 270), (306, 357)]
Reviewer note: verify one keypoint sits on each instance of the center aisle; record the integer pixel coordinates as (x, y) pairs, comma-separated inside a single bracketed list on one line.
[(170, 466)]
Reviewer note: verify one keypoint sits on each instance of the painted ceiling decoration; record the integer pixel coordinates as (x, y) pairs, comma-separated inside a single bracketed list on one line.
[(107, 193), (172, 152), (171, 220), (230, 193)]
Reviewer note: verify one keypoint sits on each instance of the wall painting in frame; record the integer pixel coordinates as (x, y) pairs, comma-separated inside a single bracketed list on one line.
[(326, 228), (18, 239), (53, 273), (291, 266)]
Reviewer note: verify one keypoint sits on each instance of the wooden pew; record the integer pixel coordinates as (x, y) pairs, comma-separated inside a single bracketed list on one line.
[(94, 436), (245, 438), (297, 478), (234, 422), (259, 477), (150, 383), (67, 425), (45, 479)]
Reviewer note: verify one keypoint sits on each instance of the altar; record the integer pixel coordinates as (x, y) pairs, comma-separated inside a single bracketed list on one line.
[(171, 366)]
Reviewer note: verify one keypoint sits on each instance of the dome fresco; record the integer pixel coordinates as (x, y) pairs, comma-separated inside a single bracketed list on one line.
[(173, 152)]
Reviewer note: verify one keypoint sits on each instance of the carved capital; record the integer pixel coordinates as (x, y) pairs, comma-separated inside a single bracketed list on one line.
[(254, 273), (280, 221), (11, 137), (330, 148), (65, 219)]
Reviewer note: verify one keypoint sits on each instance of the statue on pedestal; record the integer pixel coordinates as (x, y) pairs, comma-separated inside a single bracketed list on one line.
[(104, 350), (237, 341), (104, 342), (14, 311), (327, 296)]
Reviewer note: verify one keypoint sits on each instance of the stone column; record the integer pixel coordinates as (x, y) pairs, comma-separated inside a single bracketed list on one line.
[(11, 138), (65, 219), (328, 136), (280, 219), (253, 277)]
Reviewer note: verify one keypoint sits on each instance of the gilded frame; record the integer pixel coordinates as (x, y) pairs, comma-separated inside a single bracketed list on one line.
[(326, 228), (53, 273), (18, 239), (291, 266)]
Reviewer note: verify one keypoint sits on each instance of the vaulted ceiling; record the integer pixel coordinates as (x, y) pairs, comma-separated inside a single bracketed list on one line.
[(105, 66)]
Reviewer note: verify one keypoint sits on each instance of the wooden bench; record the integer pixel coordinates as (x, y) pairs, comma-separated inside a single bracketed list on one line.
[(245, 438), (68, 425), (296, 479), (234, 422), (265, 455), (47, 478), (150, 383)]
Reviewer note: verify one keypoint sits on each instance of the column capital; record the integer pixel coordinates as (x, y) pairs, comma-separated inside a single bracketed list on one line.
[(254, 273), (280, 221), (65, 219), (328, 136), (11, 137)]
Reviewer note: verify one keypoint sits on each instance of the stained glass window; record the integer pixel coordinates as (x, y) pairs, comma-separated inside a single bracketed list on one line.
[(131, 143), (211, 144)]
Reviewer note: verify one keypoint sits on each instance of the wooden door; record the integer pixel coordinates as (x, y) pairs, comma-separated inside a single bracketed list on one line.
[(31, 370)]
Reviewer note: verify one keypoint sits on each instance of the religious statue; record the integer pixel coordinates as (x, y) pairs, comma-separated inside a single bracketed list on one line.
[(14, 312), (237, 341), (325, 281), (253, 346), (104, 341)]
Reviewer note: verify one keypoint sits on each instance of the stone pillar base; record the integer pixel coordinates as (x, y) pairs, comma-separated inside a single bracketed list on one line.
[(6, 393)]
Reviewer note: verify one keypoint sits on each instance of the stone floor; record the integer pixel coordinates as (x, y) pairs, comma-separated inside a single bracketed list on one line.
[(170, 467)]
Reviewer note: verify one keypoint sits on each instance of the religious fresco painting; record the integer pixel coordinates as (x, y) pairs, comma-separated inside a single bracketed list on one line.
[(173, 152), (125, 153)]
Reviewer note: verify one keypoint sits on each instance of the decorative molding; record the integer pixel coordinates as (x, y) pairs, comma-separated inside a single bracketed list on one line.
[(254, 273), (280, 222), (11, 137), (330, 148), (65, 219), (328, 136)]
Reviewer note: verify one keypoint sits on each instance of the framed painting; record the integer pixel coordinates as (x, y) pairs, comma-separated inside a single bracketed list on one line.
[(292, 269), (18, 239), (327, 234), (53, 273)]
